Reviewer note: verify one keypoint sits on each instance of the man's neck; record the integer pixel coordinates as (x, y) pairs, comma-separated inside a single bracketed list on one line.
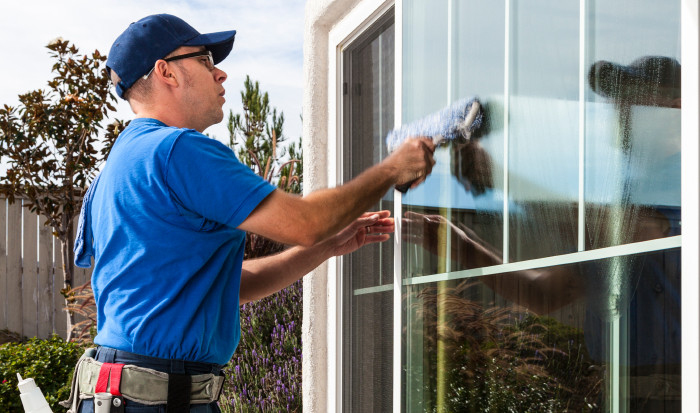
[(168, 117)]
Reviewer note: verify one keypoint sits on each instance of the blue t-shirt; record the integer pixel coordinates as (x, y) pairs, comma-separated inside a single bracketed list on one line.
[(161, 223)]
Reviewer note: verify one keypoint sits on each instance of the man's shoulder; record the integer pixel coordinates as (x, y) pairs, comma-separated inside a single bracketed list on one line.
[(148, 140), (192, 143)]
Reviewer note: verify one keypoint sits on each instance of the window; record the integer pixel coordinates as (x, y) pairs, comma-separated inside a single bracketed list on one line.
[(542, 267)]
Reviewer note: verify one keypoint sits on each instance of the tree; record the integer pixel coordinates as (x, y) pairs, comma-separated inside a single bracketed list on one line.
[(50, 142), (258, 134)]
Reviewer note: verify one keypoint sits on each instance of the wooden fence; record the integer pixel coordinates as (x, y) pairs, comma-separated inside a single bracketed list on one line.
[(31, 274)]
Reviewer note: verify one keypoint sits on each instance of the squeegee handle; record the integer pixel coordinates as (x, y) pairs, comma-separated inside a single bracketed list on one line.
[(403, 188)]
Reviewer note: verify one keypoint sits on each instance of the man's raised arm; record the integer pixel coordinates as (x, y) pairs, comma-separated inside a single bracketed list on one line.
[(308, 220)]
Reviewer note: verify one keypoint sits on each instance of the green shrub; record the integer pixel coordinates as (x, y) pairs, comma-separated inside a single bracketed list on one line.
[(49, 362)]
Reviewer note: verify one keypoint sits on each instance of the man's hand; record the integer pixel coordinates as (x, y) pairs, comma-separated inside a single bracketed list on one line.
[(412, 161), (369, 228)]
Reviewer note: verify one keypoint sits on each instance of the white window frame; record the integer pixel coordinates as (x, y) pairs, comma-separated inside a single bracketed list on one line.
[(345, 31), (690, 206), (361, 17)]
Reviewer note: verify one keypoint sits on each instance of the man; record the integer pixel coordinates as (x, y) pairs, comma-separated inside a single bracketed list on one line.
[(165, 222)]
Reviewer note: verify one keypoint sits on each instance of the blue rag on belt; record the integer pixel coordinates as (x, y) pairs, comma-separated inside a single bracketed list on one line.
[(448, 123), (83, 248)]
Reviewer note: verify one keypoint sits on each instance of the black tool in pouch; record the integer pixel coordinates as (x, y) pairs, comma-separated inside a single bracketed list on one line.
[(117, 405)]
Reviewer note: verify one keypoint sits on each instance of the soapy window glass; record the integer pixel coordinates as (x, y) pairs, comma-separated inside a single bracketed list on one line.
[(515, 241)]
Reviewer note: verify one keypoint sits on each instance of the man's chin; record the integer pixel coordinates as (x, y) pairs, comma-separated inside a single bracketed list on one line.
[(214, 121), (220, 117)]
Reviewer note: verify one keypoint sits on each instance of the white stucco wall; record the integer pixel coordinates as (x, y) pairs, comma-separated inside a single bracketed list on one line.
[(321, 16)]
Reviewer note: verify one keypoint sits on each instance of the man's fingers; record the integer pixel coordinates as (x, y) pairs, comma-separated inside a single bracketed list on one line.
[(381, 229), (429, 144), (382, 214), (364, 221), (370, 239)]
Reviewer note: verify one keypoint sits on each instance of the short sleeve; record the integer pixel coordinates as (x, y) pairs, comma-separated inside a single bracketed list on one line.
[(205, 177)]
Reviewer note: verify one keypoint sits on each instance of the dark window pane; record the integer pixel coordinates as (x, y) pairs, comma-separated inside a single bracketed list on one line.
[(367, 276)]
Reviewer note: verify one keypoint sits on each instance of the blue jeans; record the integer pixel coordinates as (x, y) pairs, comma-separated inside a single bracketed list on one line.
[(110, 355)]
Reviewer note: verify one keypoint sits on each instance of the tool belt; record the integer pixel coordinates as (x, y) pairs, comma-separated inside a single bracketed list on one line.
[(142, 385)]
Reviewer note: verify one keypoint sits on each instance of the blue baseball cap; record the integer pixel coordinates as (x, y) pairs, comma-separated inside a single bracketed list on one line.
[(144, 42)]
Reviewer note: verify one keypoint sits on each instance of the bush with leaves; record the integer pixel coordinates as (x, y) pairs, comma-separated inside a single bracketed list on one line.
[(82, 302), (49, 362), (257, 135)]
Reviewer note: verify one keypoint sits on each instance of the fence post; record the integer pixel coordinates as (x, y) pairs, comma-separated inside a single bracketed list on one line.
[(60, 319), (45, 284), (29, 273), (14, 267), (3, 264)]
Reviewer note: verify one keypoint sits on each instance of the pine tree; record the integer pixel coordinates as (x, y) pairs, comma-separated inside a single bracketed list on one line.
[(257, 135)]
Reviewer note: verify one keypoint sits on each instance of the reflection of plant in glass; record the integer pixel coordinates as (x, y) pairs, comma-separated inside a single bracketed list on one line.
[(502, 359)]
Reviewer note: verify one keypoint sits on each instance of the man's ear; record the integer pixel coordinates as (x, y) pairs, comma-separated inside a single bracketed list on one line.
[(163, 72)]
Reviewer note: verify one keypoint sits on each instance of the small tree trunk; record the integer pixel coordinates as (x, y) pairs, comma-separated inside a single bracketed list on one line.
[(68, 268)]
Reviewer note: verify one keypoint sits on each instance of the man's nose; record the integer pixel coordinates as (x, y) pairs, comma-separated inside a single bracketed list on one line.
[(219, 75)]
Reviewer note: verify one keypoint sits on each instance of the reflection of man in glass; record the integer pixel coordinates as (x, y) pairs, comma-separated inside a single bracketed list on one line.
[(642, 291), (647, 81), (649, 88)]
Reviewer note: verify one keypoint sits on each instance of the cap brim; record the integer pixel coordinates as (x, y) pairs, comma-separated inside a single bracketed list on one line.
[(220, 43)]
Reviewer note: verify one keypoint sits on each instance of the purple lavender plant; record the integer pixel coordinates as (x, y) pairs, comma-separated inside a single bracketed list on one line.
[(264, 374)]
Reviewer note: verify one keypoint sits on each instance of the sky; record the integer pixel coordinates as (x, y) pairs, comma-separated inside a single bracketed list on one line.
[(268, 44)]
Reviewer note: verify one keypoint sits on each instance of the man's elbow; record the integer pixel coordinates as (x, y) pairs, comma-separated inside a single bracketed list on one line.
[(308, 238), (309, 229)]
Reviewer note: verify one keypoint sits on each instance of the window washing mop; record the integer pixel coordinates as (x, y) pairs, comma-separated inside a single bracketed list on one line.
[(455, 123)]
